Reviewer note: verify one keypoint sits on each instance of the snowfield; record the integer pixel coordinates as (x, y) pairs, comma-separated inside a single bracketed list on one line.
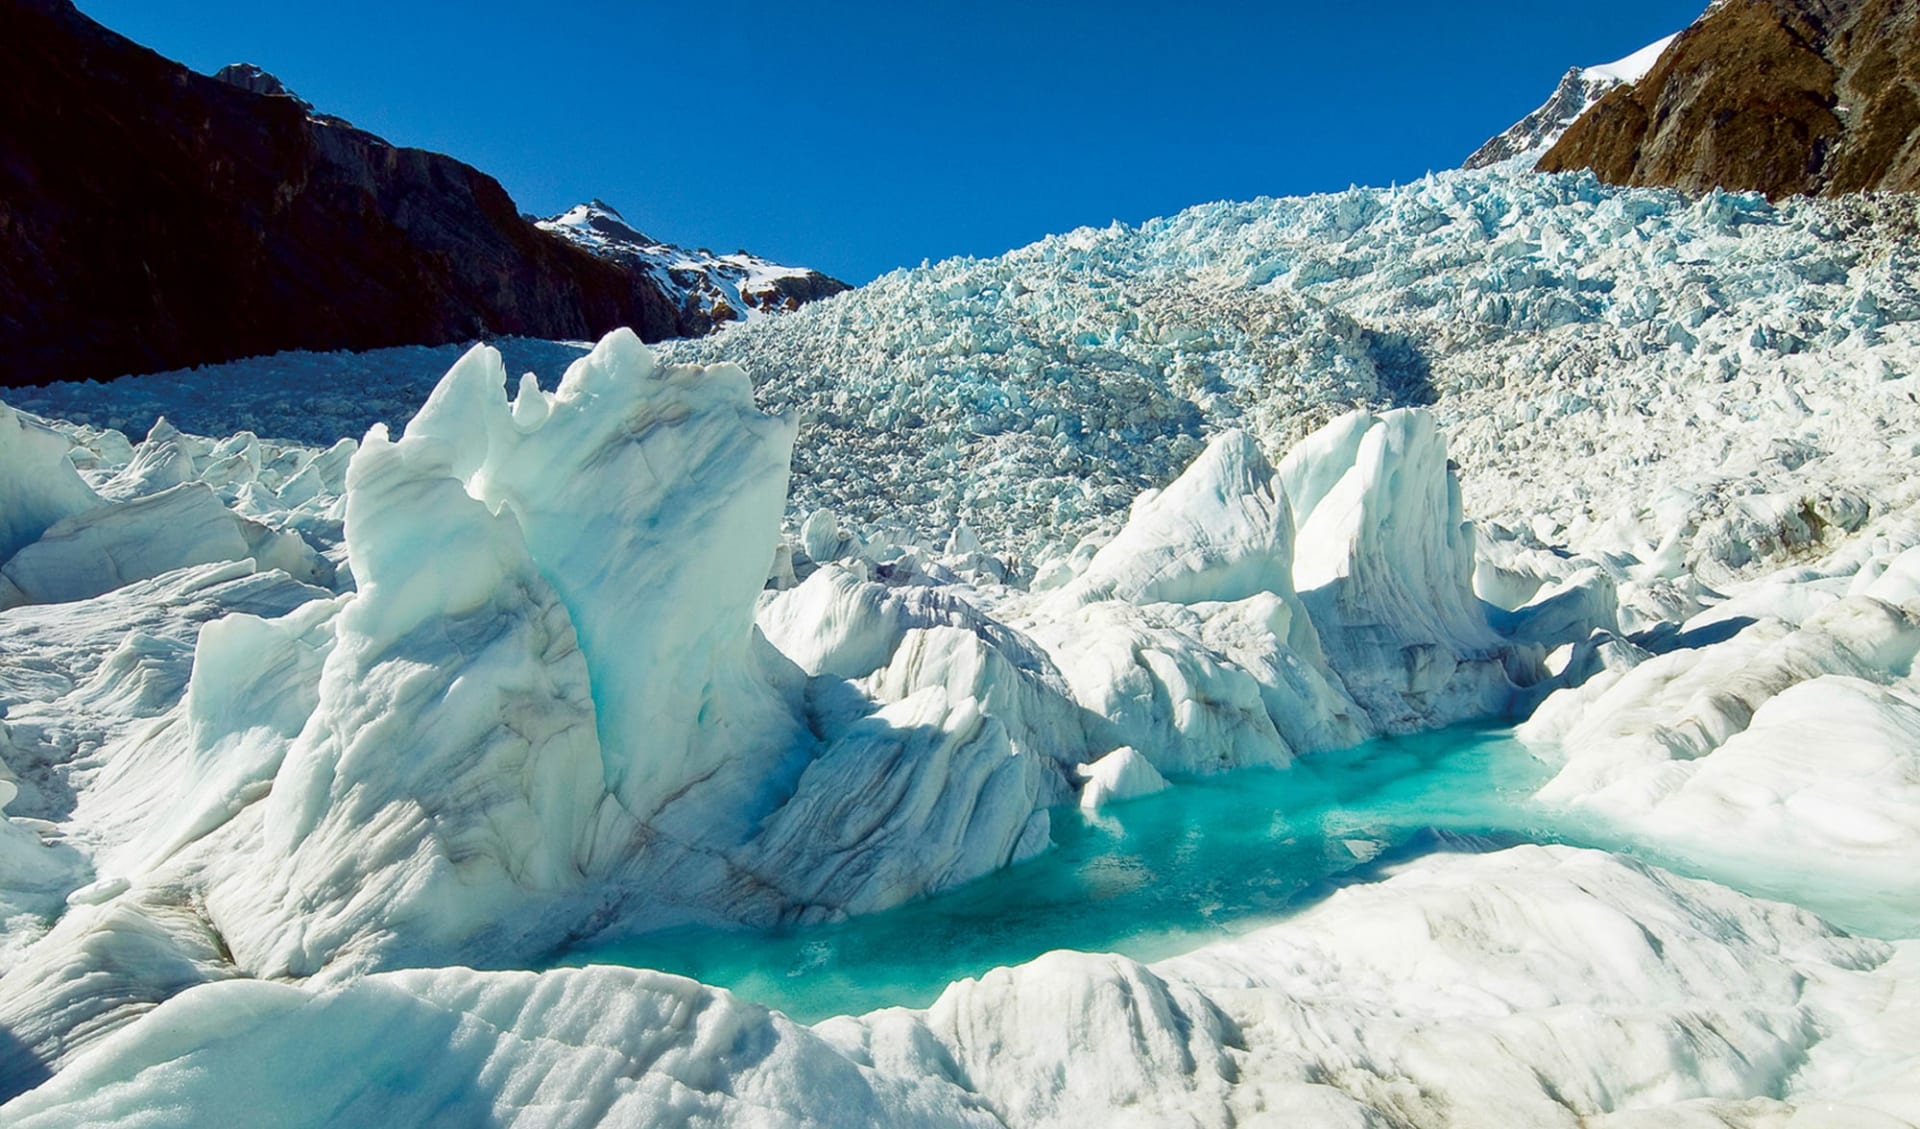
[(304, 722)]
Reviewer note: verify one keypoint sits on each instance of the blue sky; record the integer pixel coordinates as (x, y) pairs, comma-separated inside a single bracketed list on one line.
[(860, 137)]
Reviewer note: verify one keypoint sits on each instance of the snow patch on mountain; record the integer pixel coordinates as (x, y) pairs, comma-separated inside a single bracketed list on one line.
[(1579, 89), (722, 288), (1635, 66)]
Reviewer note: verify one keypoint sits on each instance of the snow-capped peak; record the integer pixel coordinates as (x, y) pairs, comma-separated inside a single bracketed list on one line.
[(600, 218), (724, 288), (1632, 68), (250, 76), (1579, 89)]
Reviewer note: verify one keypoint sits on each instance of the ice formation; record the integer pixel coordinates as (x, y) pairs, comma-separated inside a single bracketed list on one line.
[(1789, 737), (42, 486), (292, 730), (1732, 374), (1387, 571), (544, 706), (1122, 774)]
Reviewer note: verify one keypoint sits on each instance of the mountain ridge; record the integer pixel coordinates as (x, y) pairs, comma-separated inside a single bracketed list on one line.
[(160, 219), (1579, 90), (1775, 96), (716, 289)]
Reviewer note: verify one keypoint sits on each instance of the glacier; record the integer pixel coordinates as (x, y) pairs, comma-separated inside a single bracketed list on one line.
[(314, 744), (1737, 366)]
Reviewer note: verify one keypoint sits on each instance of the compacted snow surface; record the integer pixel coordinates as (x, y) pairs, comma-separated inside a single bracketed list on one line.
[(1116, 595)]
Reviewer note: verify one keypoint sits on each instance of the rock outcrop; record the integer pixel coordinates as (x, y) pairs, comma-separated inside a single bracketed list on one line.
[(248, 76), (1776, 96), (714, 290), (155, 219), (1575, 94), (1579, 89)]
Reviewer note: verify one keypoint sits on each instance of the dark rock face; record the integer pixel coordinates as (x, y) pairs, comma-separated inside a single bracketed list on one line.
[(1774, 96), (790, 292), (153, 218)]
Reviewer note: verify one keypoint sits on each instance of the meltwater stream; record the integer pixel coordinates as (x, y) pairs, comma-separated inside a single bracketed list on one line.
[(1154, 877), (1148, 878)]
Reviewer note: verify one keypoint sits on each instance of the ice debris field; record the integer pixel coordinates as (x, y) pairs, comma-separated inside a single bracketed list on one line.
[(1438, 655)]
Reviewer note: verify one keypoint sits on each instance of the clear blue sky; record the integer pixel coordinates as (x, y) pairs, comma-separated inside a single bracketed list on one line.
[(859, 137)]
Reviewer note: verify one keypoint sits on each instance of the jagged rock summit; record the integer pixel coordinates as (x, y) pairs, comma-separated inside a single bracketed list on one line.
[(1580, 88), (1776, 96), (714, 289), (248, 76)]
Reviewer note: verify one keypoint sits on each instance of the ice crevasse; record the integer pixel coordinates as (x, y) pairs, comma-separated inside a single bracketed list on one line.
[(559, 699)]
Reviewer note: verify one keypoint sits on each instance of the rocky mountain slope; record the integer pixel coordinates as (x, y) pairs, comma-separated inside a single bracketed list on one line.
[(155, 218), (1580, 88), (1774, 96), (716, 289)]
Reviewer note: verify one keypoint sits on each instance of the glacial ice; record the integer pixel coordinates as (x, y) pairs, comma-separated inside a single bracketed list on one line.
[(1490, 443), (1386, 569), (1222, 531), (337, 788), (1122, 774), (42, 486), (660, 577), (1784, 745), (101, 549), (1734, 373)]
